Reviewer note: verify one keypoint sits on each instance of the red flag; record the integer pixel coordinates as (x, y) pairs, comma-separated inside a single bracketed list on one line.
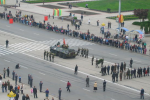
[(53, 12), (46, 18), (11, 21), (64, 42)]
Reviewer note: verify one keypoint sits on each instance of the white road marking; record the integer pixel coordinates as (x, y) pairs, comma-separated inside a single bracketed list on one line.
[(136, 61), (17, 36), (6, 60), (42, 73), (86, 89), (85, 74), (7, 26), (21, 29), (112, 99), (35, 33), (63, 81), (23, 66), (112, 54)]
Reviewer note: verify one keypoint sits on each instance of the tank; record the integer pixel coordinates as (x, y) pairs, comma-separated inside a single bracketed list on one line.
[(63, 51)]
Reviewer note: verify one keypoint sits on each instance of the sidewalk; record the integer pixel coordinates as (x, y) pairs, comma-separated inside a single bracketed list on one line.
[(26, 90)]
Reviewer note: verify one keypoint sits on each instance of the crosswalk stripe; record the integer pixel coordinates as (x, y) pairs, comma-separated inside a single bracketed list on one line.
[(39, 45)]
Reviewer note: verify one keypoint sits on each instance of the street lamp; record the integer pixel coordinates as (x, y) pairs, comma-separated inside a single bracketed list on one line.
[(119, 24)]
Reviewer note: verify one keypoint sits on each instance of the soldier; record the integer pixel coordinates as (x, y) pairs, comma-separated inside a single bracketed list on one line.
[(76, 69), (140, 71), (92, 60), (16, 78), (87, 81), (50, 56), (44, 54), (128, 74), (85, 53), (112, 69), (78, 51), (104, 85), (82, 52), (53, 57), (108, 68), (47, 55), (8, 72), (121, 75)]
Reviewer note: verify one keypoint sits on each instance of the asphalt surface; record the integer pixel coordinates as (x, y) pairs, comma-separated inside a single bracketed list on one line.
[(55, 76), (110, 54)]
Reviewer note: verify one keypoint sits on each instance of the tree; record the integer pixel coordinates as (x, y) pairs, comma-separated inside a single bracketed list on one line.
[(148, 16), (141, 13)]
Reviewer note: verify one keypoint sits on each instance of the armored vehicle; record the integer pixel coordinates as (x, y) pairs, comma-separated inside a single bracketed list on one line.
[(63, 51)]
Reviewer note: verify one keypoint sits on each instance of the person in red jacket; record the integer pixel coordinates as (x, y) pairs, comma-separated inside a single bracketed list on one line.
[(68, 86)]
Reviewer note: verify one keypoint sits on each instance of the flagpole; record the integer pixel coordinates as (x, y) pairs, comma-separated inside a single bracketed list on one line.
[(119, 16)]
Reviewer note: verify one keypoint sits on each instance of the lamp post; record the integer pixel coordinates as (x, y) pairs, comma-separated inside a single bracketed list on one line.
[(119, 24)]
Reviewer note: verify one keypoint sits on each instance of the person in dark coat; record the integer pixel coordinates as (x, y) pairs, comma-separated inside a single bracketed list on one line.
[(29, 78), (59, 92), (11, 87), (142, 93), (148, 70), (87, 81), (128, 74), (116, 74), (7, 42), (144, 70), (108, 68), (113, 77), (23, 97), (104, 85), (17, 96), (35, 92), (31, 81), (134, 73), (16, 78), (76, 69), (8, 72), (131, 62), (41, 83), (13, 75)]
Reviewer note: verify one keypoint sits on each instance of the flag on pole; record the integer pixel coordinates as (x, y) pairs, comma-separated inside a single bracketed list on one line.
[(11, 21), (64, 42), (46, 18)]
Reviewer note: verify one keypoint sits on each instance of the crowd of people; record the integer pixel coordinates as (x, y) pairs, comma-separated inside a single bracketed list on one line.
[(137, 47)]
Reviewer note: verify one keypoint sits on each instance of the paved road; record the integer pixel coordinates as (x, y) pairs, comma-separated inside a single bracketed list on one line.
[(50, 38), (55, 76)]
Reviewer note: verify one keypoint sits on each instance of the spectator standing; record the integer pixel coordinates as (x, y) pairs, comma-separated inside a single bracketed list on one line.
[(27, 97), (4, 73), (8, 72), (41, 83), (47, 93), (22, 86), (7, 42), (35, 92), (59, 92), (23, 97), (142, 93), (8, 84), (19, 79), (89, 21), (13, 75), (3, 87)]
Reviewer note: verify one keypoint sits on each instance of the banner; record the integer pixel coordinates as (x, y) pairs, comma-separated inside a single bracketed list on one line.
[(10, 21), (46, 18), (60, 12), (2, 2)]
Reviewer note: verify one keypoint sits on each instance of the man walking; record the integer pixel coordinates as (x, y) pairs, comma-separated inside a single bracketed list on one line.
[(87, 81), (59, 92), (44, 54), (92, 60), (148, 70), (108, 68), (8, 72), (68, 86), (76, 69), (7, 42), (142, 93), (41, 83), (35, 92), (50, 55), (104, 85), (131, 62), (4, 73)]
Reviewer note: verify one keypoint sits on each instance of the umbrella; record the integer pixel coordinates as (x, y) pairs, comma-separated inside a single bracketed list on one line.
[(124, 29), (139, 31), (103, 24)]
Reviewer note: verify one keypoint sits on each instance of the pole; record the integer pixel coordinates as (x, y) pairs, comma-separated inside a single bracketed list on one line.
[(119, 16)]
